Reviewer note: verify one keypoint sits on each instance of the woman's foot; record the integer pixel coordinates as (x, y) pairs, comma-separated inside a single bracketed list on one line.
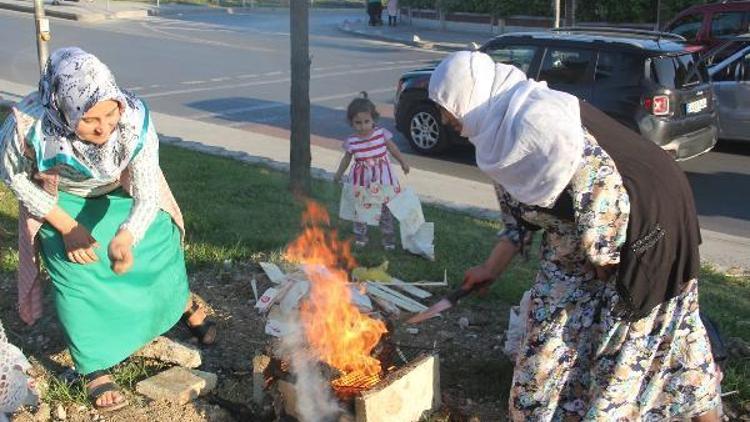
[(196, 320), (104, 394)]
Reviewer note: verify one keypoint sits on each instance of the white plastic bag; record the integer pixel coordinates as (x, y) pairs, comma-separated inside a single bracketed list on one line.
[(422, 242), (408, 210)]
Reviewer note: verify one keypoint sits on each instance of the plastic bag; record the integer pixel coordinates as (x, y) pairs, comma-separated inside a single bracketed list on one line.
[(408, 210)]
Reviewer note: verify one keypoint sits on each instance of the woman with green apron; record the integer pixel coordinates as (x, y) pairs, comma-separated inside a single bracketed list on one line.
[(81, 155)]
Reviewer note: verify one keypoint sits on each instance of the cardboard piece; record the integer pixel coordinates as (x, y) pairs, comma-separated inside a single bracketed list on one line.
[(266, 300), (273, 272)]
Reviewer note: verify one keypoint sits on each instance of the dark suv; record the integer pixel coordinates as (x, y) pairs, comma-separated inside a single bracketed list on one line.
[(651, 82)]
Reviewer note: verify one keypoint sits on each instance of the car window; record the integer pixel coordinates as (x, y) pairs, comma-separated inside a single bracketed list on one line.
[(618, 69), (673, 71), (687, 26), (565, 66), (517, 55), (726, 24)]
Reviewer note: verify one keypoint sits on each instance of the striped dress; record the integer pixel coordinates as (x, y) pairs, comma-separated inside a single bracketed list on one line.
[(370, 155), (372, 176)]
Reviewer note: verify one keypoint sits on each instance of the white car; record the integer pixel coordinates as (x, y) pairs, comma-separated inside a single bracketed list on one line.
[(731, 82)]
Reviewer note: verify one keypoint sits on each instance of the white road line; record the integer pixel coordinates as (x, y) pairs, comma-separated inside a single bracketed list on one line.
[(274, 73), (135, 88), (269, 82), (254, 75), (193, 82), (193, 39), (222, 79), (262, 107)]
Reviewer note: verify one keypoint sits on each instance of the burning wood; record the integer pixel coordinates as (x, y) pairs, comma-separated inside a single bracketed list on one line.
[(324, 321)]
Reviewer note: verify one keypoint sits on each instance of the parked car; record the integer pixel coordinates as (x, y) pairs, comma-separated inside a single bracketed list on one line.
[(709, 24), (731, 81), (651, 82)]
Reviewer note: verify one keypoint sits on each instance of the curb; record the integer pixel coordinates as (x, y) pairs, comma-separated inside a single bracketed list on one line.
[(79, 17), (436, 46)]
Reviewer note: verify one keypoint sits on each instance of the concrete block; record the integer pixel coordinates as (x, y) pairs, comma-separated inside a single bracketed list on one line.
[(170, 351), (405, 395), (178, 385)]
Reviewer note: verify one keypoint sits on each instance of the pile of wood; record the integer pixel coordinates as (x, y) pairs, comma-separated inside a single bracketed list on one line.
[(389, 297)]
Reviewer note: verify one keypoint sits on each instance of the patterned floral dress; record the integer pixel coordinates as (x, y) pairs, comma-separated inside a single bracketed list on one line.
[(580, 359)]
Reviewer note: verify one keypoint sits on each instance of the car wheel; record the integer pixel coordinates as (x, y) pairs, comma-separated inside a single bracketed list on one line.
[(426, 134)]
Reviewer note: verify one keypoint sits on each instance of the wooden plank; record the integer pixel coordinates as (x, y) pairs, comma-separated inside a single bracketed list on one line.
[(411, 289), (394, 297), (405, 395)]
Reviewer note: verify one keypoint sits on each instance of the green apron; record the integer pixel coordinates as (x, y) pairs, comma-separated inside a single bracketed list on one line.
[(106, 317)]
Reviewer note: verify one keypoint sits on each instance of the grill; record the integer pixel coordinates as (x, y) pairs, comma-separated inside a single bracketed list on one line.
[(351, 384)]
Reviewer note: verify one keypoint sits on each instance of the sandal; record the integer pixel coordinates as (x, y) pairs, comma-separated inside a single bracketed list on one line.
[(96, 392), (205, 332)]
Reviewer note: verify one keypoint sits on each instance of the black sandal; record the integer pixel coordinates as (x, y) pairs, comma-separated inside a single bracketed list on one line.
[(205, 332), (96, 392)]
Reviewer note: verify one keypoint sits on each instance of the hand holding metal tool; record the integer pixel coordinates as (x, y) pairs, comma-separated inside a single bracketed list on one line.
[(446, 303)]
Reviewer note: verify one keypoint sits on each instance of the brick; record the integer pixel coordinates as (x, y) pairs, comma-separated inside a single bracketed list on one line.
[(177, 385), (170, 351)]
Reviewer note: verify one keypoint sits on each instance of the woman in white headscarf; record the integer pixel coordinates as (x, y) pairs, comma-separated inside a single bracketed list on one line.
[(609, 335), (81, 155)]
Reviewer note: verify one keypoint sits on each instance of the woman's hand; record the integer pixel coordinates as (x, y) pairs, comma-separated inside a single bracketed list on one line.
[(79, 245), (479, 275), (121, 251), (405, 167), (337, 178)]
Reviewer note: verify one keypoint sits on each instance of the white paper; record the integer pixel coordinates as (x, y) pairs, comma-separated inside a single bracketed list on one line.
[(361, 300), (408, 210), (275, 325)]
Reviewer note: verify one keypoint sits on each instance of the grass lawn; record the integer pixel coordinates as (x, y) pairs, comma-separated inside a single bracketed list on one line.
[(245, 213)]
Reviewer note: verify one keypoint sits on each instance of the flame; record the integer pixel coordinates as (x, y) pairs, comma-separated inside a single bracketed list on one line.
[(335, 329)]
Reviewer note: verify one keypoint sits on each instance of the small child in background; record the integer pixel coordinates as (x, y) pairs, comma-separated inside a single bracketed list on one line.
[(373, 179)]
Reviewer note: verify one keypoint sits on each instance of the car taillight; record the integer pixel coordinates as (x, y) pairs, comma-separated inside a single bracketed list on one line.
[(658, 105)]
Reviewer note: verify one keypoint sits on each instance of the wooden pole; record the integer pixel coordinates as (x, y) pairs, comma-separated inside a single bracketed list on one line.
[(299, 154)]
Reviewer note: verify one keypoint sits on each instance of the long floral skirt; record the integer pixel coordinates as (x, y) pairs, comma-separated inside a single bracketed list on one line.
[(580, 360)]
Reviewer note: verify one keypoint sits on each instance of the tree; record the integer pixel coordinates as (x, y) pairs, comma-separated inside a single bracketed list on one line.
[(299, 153)]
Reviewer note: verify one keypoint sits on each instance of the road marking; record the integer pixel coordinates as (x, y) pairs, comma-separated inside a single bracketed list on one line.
[(253, 75), (135, 88), (274, 73), (222, 79), (193, 82), (262, 107), (193, 39), (270, 82)]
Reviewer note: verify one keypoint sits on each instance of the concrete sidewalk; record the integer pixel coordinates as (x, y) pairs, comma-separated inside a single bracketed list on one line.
[(424, 34), (478, 198)]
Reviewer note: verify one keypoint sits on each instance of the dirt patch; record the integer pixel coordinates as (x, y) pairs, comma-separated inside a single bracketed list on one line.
[(474, 373)]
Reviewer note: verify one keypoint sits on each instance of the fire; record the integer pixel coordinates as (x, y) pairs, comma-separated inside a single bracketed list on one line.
[(342, 336)]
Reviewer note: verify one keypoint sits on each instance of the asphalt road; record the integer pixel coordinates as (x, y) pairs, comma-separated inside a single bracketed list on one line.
[(234, 70)]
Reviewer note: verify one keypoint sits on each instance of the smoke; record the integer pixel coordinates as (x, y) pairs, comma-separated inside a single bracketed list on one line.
[(314, 400)]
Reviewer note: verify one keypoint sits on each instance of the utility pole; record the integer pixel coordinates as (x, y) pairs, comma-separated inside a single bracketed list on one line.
[(299, 154), (557, 13), (42, 33), (570, 12)]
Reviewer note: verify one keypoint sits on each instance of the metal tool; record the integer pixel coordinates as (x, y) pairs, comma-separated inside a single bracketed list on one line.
[(444, 304)]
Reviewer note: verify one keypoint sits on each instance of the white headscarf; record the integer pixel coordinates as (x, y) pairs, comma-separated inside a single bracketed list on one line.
[(528, 137)]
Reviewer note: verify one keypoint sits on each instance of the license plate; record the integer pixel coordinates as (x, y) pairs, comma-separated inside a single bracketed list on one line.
[(696, 106)]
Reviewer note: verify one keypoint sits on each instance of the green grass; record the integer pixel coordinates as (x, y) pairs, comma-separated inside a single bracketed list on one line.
[(245, 213)]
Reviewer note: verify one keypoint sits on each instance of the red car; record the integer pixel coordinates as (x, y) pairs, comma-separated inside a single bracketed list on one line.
[(708, 25)]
